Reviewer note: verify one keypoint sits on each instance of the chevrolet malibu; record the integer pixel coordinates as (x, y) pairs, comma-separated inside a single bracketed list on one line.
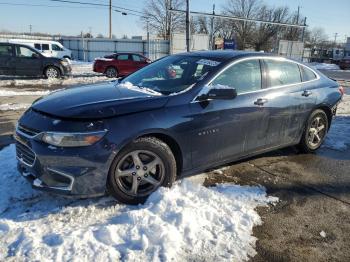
[(178, 116)]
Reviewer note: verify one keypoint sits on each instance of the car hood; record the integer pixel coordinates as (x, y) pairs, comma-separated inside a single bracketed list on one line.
[(97, 101)]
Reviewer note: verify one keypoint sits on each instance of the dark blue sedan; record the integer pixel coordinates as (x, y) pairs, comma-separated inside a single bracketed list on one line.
[(180, 115)]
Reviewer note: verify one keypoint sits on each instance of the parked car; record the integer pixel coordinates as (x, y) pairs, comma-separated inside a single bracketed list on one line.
[(22, 60), (344, 63), (120, 64), (46, 47), (133, 136)]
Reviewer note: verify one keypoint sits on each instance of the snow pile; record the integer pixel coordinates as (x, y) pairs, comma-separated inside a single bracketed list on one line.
[(338, 137), (13, 106), (187, 222), (324, 66), (4, 92), (81, 74)]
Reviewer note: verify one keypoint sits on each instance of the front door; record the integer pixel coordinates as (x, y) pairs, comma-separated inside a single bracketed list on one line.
[(28, 61), (125, 64), (224, 129), (7, 59)]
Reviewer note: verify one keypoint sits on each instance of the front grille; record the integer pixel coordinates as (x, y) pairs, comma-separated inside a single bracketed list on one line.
[(25, 154), (27, 131)]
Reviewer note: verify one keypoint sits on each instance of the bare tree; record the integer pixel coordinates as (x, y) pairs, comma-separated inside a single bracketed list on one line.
[(317, 36), (161, 21), (242, 31), (265, 34)]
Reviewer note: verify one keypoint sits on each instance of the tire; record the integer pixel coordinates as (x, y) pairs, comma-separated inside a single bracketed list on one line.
[(315, 131), (142, 166), (52, 72), (111, 72)]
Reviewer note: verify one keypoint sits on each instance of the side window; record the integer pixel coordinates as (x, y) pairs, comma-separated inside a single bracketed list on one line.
[(307, 74), (56, 47), (22, 51), (45, 47), (244, 76), (37, 46), (123, 57), (6, 50), (282, 73), (136, 58)]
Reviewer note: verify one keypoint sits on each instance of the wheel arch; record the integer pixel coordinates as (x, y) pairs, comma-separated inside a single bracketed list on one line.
[(327, 109), (173, 145), (55, 66)]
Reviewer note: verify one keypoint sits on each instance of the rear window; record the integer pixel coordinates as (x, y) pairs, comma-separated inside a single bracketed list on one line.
[(282, 73), (123, 57), (307, 74), (45, 47), (37, 46), (6, 50)]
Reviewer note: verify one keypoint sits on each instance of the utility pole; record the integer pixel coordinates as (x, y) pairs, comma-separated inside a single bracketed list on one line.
[(30, 29), (110, 19), (188, 25), (335, 38), (212, 29), (303, 34), (148, 40)]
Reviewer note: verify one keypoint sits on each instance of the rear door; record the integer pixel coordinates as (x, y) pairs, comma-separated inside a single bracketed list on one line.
[(7, 59), (125, 64), (28, 62), (285, 102)]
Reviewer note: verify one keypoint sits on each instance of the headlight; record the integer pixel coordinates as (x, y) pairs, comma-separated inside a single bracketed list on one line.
[(72, 139), (64, 63)]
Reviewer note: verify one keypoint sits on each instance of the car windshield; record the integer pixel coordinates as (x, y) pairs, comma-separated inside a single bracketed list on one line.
[(172, 74)]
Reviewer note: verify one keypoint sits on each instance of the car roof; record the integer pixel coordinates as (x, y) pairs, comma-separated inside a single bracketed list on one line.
[(226, 54)]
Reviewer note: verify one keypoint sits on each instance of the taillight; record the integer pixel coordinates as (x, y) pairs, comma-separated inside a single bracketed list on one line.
[(341, 90)]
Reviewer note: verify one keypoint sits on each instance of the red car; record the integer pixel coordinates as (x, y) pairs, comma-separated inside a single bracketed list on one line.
[(120, 64), (344, 63)]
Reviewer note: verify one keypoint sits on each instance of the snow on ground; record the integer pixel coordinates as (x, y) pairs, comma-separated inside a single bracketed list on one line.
[(81, 74), (5, 92), (324, 66), (186, 222), (13, 106), (338, 137)]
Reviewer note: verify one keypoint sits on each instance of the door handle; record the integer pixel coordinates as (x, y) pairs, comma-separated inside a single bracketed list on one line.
[(306, 93), (260, 101)]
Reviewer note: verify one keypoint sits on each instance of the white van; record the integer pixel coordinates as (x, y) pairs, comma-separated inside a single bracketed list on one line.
[(46, 47)]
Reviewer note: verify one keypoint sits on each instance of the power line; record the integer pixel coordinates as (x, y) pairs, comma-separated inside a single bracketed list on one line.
[(95, 4), (41, 5)]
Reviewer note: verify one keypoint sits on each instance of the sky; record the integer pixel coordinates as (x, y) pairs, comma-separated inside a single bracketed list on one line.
[(69, 19)]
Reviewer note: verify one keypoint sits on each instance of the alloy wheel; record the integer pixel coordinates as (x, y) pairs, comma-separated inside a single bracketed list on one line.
[(51, 73), (111, 72), (139, 173), (317, 131)]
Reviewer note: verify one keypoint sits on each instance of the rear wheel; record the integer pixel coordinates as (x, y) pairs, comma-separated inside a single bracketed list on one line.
[(52, 72), (140, 169), (315, 131), (111, 72)]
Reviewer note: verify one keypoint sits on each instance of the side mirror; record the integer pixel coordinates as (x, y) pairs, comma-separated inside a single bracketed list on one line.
[(148, 61), (219, 92), (35, 55)]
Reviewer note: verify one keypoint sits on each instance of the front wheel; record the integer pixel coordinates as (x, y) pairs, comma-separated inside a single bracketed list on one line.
[(140, 169), (315, 131), (52, 72)]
